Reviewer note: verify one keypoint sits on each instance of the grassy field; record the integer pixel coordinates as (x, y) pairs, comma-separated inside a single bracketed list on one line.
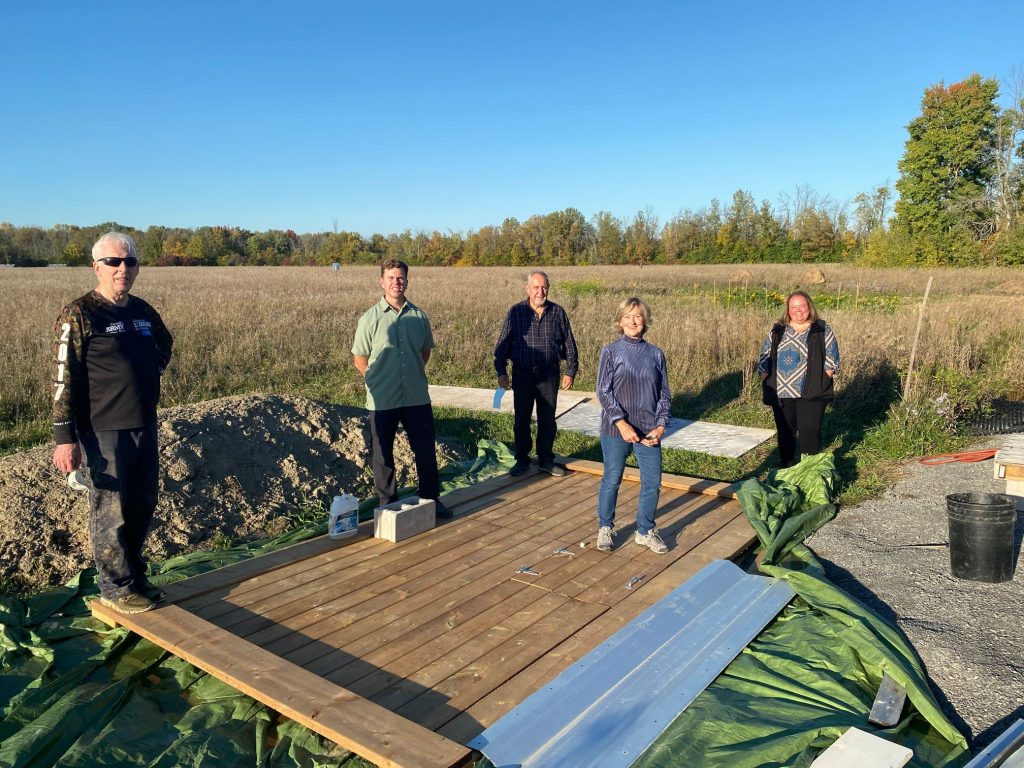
[(289, 330)]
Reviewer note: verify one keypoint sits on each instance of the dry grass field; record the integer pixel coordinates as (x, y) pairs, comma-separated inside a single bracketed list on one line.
[(289, 330)]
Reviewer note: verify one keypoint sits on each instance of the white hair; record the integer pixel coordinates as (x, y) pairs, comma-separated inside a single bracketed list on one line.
[(99, 248), (538, 272)]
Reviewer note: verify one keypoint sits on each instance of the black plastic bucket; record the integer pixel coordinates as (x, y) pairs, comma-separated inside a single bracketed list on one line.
[(981, 535)]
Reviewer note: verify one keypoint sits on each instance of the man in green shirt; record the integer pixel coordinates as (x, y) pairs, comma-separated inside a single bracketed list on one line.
[(391, 349)]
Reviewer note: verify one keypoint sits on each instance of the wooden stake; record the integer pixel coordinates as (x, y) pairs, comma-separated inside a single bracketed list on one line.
[(917, 335)]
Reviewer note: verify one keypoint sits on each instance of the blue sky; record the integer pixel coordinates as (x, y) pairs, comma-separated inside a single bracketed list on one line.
[(384, 116)]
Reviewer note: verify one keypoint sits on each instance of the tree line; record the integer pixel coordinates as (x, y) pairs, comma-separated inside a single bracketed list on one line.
[(957, 201)]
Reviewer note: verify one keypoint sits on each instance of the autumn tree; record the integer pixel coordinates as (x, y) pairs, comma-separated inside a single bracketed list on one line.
[(946, 169)]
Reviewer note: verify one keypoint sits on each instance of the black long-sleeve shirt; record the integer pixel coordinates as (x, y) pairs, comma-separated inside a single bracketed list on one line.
[(536, 342), (107, 362)]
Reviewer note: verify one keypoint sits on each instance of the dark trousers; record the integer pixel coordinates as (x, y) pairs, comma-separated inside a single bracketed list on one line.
[(123, 483), (798, 418), (418, 421), (529, 389)]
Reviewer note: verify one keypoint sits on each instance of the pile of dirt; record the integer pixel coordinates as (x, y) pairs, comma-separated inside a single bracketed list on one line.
[(230, 469)]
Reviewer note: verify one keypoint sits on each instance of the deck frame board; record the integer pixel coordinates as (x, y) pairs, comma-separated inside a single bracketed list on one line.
[(402, 652)]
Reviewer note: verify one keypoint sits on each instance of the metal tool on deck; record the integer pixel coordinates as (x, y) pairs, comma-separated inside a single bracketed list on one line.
[(528, 571), (632, 581), (564, 551)]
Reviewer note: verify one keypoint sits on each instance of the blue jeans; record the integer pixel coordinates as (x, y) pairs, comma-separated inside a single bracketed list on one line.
[(648, 458)]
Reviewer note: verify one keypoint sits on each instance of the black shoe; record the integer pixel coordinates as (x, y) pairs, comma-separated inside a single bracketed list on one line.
[(151, 590), (555, 470), (443, 512), (519, 468)]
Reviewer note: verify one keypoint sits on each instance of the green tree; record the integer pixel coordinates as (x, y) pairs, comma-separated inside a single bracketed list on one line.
[(947, 166), (608, 246), (642, 238)]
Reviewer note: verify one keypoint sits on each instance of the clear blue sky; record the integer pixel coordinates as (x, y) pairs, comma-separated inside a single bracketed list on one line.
[(383, 116)]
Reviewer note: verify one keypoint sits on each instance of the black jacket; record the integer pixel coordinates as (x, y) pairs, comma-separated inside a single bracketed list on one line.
[(817, 384)]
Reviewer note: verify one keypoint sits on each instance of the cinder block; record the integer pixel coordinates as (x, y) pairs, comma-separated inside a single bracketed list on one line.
[(859, 749), (403, 519)]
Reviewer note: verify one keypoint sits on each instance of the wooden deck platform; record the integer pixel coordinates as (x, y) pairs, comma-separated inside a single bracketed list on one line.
[(404, 652)]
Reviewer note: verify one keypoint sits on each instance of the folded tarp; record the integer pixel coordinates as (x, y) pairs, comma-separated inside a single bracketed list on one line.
[(814, 672)]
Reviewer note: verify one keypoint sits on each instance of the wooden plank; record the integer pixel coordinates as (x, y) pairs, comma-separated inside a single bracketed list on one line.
[(349, 720), (646, 565), (273, 621), (332, 613), (229, 575), (677, 482), (464, 687), (318, 574), (285, 556), (369, 625), (428, 640), (726, 543)]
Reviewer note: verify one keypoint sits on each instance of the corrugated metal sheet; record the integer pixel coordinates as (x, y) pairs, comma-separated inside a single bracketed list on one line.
[(1007, 751), (613, 703)]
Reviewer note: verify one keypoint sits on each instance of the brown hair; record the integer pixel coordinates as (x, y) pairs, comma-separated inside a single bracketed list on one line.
[(812, 311), (634, 302), (394, 264)]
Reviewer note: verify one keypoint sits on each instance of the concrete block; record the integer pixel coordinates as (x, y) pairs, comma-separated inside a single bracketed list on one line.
[(403, 518), (859, 749)]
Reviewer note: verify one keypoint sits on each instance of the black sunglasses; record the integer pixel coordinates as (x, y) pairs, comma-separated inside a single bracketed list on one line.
[(117, 261)]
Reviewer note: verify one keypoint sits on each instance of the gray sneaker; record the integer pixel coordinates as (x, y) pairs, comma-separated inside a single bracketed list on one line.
[(605, 538), (130, 603), (652, 541)]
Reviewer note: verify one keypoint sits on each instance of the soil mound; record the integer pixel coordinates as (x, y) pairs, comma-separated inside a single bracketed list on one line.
[(230, 469)]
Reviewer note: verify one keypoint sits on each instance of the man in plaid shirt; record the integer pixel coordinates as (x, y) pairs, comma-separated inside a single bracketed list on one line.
[(536, 337)]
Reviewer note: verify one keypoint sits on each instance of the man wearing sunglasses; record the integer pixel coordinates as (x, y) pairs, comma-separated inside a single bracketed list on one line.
[(109, 352)]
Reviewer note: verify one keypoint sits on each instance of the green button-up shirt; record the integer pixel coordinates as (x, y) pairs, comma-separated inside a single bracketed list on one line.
[(394, 342)]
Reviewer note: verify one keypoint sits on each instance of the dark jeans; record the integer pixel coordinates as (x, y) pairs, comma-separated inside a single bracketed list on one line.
[(123, 484), (418, 421), (798, 417), (540, 389)]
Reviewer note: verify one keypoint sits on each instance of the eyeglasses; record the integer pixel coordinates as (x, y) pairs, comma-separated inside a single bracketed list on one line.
[(117, 261)]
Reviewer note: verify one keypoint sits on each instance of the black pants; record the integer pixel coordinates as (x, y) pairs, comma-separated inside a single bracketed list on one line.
[(123, 482), (540, 389), (418, 421), (798, 418)]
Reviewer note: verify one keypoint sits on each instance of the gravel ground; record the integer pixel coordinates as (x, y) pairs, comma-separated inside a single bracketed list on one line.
[(892, 553)]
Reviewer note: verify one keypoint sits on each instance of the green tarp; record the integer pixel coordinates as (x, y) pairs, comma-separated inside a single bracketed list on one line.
[(813, 672), (74, 692)]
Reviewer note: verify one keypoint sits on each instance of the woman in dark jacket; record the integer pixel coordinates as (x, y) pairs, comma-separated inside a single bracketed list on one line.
[(798, 364)]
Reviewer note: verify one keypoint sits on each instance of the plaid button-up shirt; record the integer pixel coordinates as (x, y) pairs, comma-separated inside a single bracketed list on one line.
[(535, 343)]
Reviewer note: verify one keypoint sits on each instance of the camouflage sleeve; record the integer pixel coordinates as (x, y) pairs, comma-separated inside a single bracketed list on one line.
[(67, 361), (162, 337)]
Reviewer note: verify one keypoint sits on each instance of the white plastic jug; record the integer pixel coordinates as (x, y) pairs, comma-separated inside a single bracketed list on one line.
[(344, 517)]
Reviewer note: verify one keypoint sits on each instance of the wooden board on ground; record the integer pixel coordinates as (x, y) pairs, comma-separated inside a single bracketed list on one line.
[(403, 652)]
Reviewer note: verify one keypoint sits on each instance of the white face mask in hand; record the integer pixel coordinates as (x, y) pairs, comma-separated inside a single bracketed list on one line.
[(76, 481)]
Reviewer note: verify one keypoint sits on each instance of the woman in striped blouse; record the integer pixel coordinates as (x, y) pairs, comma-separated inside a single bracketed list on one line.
[(798, 364), (632, 385)]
